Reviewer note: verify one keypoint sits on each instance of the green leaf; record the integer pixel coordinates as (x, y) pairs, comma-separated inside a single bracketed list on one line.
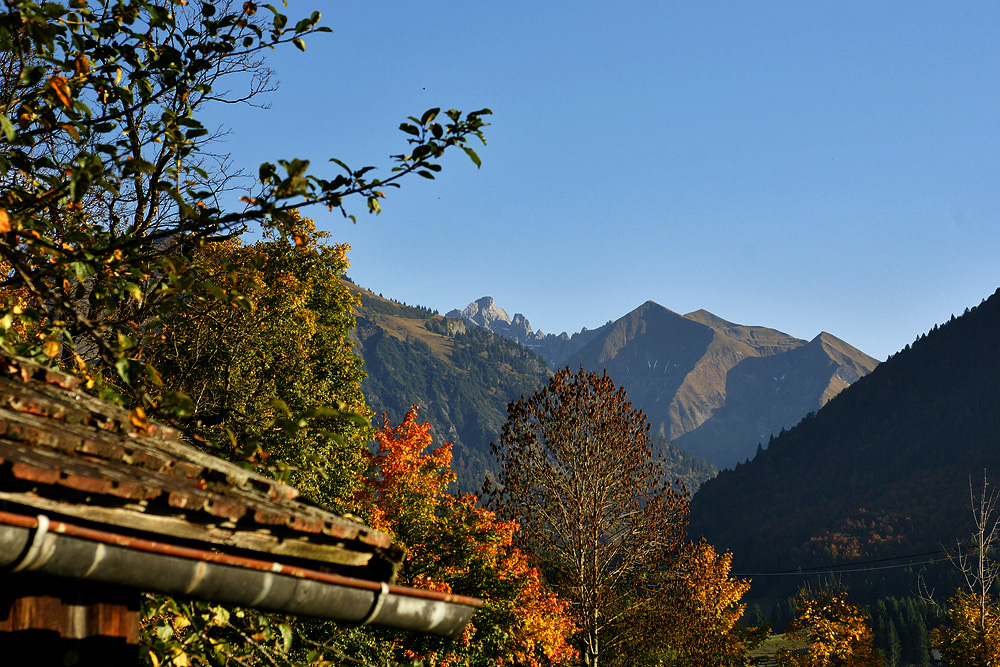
[(164, 631), (129, 370), (154, 376), (213, 289), (125, 342), (81, 269), (7, 127), (299, 43), (429, 115), (409, 129), (472, 156), (286, 637), (134, 290)]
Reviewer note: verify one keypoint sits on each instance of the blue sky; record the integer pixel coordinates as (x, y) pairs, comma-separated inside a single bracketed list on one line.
[(804, 166)]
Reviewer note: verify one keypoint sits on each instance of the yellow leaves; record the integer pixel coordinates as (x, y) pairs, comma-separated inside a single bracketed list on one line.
[(973, 639), (81, 65), (5, 226), (137, 418), (51, 348), (837, 631), (71, 130)]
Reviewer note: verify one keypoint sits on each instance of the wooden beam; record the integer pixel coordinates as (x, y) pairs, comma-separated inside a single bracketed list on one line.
[(58, 622)]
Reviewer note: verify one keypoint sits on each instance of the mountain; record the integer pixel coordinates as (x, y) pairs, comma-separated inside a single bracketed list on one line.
[(710, 386), (461, 378), (556, 350), (881, 471)]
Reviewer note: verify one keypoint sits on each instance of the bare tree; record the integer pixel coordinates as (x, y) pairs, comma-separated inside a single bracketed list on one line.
[(973, 639), (977, 565)]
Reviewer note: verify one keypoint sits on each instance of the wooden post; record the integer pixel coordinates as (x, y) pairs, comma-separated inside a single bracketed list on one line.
[(67, 623)]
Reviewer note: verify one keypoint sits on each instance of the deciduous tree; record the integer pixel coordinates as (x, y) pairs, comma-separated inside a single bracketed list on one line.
[(452, 545), (689, 615), (106, 181), (974, 611), (269, 350), (579, 475), (837, 632)]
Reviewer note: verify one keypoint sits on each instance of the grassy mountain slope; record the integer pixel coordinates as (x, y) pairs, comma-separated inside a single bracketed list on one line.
[(881, 470)]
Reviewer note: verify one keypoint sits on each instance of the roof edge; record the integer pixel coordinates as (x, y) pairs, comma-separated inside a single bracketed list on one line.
[(55, 548)]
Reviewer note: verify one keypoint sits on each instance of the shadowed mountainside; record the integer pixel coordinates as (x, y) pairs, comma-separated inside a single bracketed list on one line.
[(882, 470)]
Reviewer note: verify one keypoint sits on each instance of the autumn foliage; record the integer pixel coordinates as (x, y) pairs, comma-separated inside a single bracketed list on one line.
[(974, 636), (454, 546), (837, 632)]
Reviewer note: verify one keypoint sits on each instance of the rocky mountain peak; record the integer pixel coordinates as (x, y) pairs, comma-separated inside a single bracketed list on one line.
[(485, 313)]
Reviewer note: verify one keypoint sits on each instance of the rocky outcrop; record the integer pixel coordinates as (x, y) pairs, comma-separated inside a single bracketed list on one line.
[(485, 313)]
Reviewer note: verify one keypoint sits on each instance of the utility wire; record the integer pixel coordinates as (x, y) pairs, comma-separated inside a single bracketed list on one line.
[(834, 569)]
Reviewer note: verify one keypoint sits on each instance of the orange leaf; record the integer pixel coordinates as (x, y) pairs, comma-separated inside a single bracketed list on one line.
[(5, 226), (60, 86), (138, 418), (81, 64)]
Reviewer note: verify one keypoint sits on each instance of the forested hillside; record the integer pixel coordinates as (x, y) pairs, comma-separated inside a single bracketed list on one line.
[(882, 471)]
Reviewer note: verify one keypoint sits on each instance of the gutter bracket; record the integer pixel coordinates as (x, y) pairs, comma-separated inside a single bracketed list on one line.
[(380, 597), (35, 549)]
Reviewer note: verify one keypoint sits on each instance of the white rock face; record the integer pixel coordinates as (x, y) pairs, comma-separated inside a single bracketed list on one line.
[(485, 313)]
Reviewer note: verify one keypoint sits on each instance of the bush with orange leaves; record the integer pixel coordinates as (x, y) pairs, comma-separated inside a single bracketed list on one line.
[(454, 546)]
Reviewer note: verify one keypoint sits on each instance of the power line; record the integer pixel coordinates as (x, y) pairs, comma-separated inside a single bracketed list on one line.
[(837, 569)]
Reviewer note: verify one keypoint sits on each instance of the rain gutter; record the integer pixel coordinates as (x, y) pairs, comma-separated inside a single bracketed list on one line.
[(54, 548)]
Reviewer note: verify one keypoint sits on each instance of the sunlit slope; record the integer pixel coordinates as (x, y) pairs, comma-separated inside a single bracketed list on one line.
[(716, 388)]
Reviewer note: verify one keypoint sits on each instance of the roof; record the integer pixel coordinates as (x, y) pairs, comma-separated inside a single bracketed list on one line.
[(72, 461)]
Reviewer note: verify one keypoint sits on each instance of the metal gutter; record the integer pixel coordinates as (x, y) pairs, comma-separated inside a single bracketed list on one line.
[(54, 548)]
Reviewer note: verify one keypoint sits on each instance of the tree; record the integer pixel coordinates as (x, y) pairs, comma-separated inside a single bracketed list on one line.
[(974, 611), (452, 545), (107, 184), (117, 256), (578, 474), (271, 348), (837, 632), (689, 616)]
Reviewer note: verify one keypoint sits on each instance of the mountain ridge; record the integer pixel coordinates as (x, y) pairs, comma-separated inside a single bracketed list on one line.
[(461, 377), (694, 375)]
